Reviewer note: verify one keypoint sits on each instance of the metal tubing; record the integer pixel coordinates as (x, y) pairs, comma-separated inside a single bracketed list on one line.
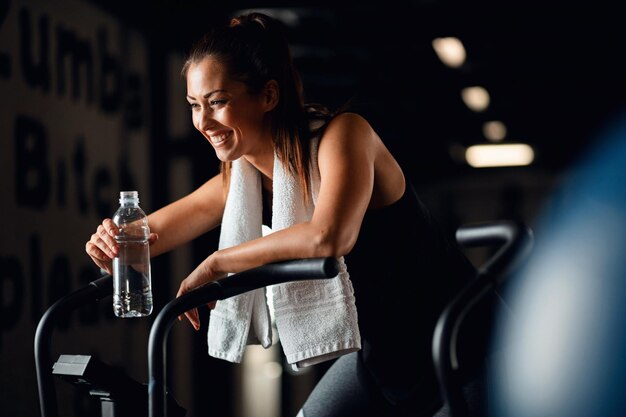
[(94, 291), (515, 240), (270, 274)]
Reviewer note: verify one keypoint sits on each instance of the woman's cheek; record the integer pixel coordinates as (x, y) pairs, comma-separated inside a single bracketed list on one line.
[(196, 121)]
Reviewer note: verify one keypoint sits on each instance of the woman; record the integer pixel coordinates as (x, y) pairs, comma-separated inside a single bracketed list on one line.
[(352, 202)]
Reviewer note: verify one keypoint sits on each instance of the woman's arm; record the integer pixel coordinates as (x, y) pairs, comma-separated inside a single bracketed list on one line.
[(346, 158), (170, 226), (189, 217)]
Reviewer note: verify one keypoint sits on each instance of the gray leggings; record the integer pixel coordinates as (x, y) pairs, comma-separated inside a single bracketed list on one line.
[(345, 390)]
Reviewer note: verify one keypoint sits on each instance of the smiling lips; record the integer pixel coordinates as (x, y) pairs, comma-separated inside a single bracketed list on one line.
[(217, 139)]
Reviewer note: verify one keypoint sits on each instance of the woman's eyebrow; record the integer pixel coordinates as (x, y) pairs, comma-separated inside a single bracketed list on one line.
[(209, 94)]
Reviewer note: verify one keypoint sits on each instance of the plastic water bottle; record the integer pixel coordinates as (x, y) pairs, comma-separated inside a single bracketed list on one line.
[(132, 287)]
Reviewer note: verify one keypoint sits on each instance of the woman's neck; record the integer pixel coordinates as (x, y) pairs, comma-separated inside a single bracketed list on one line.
[(264, 162)]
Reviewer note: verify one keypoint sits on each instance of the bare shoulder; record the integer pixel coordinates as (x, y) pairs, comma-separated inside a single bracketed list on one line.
[(349, 128), (349, 120)]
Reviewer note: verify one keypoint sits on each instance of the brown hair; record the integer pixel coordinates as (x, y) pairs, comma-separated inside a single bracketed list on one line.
[(254, 50)]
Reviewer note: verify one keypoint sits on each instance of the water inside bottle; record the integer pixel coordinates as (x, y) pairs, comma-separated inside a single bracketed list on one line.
[(132, 290)]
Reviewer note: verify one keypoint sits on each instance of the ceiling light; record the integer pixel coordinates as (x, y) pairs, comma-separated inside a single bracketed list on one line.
[(476, 98), (500, 155), (450, 51), (494, 130)]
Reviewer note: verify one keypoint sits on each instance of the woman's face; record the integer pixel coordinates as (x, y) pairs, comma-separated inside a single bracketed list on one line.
[(232, 120)]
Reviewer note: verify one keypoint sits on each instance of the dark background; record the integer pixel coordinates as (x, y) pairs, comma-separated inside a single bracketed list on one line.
[(555, 72), (554, 69)]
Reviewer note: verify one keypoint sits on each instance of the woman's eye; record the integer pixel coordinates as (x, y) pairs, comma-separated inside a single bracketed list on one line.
[(194, 106), (217, 102)]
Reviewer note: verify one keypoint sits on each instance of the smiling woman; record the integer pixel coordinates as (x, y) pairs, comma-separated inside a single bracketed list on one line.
[(224, 112), (290, 167)]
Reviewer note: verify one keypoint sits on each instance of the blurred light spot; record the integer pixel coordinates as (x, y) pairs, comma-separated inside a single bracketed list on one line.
[(513, 154), (475, 98), (494, 130), (272, 370), (450, 51)]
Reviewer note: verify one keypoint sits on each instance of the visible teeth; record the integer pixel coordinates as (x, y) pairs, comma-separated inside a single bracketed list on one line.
[(219, 138)]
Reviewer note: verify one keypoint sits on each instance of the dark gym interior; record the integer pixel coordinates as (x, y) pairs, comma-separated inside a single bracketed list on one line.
[(92, 102)]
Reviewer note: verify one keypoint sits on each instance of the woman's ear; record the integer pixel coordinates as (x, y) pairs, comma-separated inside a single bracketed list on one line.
[(270, 95)]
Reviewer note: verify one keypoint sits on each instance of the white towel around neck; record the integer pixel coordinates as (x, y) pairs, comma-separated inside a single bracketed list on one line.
[(316, 319)]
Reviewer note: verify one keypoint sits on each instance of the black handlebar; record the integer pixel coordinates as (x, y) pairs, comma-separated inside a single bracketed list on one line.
[(94, 291), (270, 274), (298, 269), (515, 240)]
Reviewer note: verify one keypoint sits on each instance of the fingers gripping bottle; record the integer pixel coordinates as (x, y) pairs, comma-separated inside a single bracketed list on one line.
[(132, 287)]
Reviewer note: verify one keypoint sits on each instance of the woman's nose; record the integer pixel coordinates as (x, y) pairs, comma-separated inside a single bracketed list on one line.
[(206, 121)]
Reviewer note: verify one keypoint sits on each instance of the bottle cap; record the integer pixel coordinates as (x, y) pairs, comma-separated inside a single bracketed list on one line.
[(129, 196)]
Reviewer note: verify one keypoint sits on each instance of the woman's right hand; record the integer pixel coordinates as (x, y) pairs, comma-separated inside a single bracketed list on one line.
[(102, 247)]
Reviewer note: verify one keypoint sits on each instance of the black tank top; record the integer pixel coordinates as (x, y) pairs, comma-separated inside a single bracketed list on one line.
[(404, 269)]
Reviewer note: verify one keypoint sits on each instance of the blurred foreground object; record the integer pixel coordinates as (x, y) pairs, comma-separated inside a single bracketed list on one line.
[(563, 348)]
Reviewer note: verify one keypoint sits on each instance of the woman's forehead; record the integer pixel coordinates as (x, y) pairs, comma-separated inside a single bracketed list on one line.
[(210, 74), (207, 68)]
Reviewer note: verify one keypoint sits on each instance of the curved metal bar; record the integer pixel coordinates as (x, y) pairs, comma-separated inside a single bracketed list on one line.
[(94, 291), (515, 240), (270, 274)]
